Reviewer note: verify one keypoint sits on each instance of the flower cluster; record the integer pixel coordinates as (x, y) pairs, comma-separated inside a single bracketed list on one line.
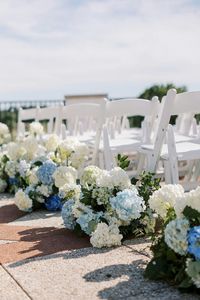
[(103, 206), (49, 185), (36, 128), (17, 157), (176, 254), (5, 136)]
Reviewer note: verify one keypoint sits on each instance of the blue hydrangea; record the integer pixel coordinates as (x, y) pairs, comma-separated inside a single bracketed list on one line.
[(88, 221), (127, 204), (68, 218), (194, 242), (45, 172), (13, 181), (29, 189), (53, 203)]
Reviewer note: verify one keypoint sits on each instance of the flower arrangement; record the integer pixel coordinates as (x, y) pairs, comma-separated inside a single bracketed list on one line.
[(5, 136), (49, 185), (18, 157), (176, 252), (108, 208)]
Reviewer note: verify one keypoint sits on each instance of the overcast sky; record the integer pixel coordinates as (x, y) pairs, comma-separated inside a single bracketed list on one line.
[(49, 48)]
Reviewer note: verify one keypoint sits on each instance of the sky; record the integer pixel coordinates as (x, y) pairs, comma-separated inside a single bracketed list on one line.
[(52, 48)]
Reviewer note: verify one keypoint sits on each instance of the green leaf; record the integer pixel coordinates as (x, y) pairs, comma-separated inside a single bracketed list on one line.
[(186, 283), (156, 269), (191, 214)]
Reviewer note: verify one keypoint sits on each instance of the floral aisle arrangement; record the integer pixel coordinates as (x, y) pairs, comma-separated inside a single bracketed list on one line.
[(176, 252), (50, 185), (108, 209), (18, 158)]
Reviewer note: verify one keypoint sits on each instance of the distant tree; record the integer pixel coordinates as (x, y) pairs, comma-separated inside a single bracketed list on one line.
[(160, 90)]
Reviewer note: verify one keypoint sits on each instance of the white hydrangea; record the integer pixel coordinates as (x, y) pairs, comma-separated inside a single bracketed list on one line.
[(70, 191), (165, 198), (52, 142), (79, 155), (89, 176), (120, 178), (36, 128), (3, 185), (175, 235), (3, 129), (32, 176), (105, 180), (44, 190), (23, 168), (15, 151), (193, 271), (106, 236), (4, 134), (102, 195), (64, 175), (23, 201), (67, 147), (31, 146), (11, 168), (191, 199)]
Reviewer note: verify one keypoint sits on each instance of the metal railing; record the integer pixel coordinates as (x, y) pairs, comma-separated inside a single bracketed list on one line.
[(9, 110)]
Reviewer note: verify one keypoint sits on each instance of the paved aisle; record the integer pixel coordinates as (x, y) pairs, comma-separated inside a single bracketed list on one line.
[(39, 259)]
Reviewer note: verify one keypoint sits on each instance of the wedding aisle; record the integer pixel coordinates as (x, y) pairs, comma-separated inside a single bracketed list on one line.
[(39, 259)]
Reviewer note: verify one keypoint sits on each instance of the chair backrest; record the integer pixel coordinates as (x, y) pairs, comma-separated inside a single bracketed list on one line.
[(84, 111), (172, 104), (29, 114), (188, 102), (91, 98), (49, 114), (129, 108), (184, 123), (118, 111)]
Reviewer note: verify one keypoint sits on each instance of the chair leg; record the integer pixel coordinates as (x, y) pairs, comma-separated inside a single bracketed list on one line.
[(167, 172), (101, 160)]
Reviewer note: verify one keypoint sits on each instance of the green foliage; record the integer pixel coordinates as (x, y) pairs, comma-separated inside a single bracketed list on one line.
[(146, 185), (158, 90), (123, 161), (166, 264), (192, 214)]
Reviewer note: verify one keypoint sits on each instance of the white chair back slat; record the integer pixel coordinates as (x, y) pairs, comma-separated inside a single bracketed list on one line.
[(188, 102), (82, 115), (29, 114), (128, 108), (49, 114), (161, 129)]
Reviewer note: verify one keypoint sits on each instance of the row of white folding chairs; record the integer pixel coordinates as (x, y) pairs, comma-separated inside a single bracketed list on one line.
[(173, 152), (121, 108), (49, 114)]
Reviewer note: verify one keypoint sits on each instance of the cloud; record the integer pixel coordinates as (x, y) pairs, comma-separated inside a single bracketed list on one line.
[(54, 47)]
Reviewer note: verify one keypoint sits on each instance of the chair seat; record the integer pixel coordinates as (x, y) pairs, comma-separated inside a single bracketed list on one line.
[(179, 138), (184, 150), (119, 144)]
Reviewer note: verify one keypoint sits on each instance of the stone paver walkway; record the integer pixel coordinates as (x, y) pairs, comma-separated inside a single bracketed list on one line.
[(41, 260)]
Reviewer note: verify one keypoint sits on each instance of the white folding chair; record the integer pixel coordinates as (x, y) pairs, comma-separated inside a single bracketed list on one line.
[(172, 152), (49, 114), (127, 142), (86, 112), (24, 115)]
